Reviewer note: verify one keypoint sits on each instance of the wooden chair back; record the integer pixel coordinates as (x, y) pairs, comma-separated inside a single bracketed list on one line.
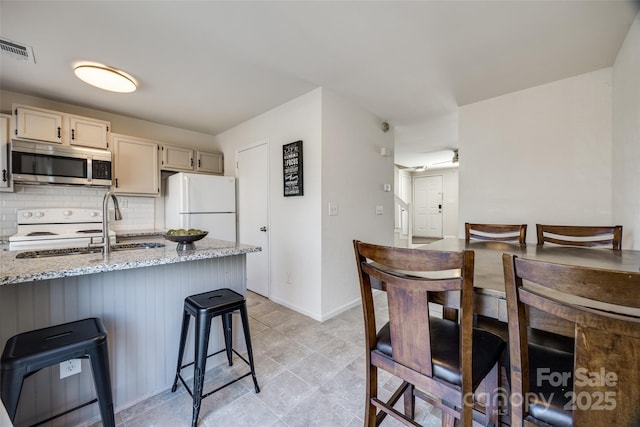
[(586, 236), (413, 278), (496, 232), (604, 307)]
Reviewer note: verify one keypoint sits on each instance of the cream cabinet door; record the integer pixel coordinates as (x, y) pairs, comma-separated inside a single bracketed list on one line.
[(88, 132), (38, 124), (136, 165), (5, 176), (210, 163), (177, 158)]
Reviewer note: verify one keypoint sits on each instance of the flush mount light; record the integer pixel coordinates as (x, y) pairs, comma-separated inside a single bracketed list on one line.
[(105, 78)]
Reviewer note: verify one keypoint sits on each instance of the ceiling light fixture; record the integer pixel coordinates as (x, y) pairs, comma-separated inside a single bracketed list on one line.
[(105, 78)]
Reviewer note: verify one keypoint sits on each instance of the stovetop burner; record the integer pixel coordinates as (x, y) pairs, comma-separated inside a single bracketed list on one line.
[(42, 233)]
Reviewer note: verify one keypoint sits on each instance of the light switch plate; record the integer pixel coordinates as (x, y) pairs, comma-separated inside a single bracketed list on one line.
[(333, 209), (379, 210)]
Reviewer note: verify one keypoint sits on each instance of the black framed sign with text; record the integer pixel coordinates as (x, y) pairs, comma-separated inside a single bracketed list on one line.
[(292, 169)]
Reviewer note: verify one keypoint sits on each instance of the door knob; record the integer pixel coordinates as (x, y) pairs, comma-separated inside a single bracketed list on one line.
[(263, 229)]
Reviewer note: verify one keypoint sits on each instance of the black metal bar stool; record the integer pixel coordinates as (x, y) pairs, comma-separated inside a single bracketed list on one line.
[(204, 307), (28, 352)]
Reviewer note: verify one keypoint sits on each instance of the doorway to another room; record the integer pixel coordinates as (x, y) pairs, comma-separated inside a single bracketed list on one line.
[(426, 206)]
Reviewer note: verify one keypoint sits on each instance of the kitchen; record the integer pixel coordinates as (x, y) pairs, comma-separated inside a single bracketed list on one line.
[(298, 226)]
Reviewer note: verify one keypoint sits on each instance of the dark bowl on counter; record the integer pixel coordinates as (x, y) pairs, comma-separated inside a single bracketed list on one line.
[(185, 242)]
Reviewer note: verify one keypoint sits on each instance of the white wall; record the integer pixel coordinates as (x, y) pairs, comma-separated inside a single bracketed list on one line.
[(540, 155), (626, 138), (295, 222), (353, 176), (341, 145)]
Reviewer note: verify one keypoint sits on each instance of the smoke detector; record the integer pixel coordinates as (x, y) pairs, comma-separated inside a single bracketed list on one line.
[(16, 50)]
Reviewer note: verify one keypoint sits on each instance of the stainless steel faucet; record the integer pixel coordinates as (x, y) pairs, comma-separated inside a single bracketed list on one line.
[(106, 244)]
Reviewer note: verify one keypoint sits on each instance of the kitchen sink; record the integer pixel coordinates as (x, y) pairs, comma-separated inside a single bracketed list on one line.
[(83, 251)]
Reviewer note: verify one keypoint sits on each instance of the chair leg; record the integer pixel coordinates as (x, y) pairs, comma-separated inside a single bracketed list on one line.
[(183, 341), (99, 358), (371, 392), (227, 326), (10, 389), (203, 328), (491, 393), (448, 420), (410, 402), (247, 339)]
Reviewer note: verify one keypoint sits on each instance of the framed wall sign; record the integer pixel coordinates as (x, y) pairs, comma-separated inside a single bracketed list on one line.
[(292, 169)]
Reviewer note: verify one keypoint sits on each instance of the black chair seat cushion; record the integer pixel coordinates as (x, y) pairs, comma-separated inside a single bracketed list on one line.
[(554, 398), (445, 350)]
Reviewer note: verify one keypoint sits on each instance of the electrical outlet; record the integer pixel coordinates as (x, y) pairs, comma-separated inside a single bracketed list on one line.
[(70, 367), (124, 203)]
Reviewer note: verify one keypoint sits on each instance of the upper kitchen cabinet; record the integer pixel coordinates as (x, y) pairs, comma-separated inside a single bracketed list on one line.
[(177, 159), (61, 128), (88, 132), (136, 165), (5, 178), (210, 163), (38, 124)]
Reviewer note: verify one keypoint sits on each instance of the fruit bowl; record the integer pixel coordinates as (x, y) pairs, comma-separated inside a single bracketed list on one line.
[(185, 241)]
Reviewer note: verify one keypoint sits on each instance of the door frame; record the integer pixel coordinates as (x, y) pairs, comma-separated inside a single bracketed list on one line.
[(413, 193), (253, 145)]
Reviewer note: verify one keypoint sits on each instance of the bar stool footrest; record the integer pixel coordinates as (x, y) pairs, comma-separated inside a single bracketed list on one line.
[(61, 414)]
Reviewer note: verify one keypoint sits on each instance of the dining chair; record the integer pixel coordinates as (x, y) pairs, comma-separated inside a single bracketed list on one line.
[(440, 361), (496, 232), (575, 235), (596, 384)]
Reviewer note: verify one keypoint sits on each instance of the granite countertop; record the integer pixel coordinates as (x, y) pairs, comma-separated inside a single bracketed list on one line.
[(14, 270)]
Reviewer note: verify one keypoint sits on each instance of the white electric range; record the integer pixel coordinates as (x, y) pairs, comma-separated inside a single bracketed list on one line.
[(57, 228)]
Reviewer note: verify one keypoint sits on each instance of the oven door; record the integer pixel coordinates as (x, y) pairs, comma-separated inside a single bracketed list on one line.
[(30, 245)]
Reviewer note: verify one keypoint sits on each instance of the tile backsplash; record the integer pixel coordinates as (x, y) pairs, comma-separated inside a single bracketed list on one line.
[(138, 213)]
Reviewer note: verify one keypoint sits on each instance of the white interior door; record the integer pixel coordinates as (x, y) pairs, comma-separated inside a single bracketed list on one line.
[(253, 213), (427, 199)]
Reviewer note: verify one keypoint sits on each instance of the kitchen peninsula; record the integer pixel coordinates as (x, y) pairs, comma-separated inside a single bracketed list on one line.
[(138, 294)]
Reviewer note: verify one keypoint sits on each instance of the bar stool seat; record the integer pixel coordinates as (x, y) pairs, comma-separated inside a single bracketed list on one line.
[(204, 307), (26, 353)]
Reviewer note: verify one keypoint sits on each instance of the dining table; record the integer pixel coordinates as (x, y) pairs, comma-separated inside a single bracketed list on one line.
[(609, 351), (489, 290)]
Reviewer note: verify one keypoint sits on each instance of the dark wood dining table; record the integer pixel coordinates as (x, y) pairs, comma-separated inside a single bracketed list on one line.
[(490, 300)]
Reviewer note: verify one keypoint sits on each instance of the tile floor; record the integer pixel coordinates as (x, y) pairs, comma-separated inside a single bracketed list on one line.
[(310, 374)]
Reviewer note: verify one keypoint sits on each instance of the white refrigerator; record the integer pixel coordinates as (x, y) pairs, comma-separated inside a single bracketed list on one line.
[(206, 202)]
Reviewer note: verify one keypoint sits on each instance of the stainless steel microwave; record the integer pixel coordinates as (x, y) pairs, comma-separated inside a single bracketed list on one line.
[(41, 163)]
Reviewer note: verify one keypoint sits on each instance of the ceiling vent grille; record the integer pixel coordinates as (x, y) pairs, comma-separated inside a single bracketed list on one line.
[(16, 51)]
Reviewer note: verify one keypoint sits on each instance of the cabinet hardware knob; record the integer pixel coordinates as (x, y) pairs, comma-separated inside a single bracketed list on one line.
[(73, 134), (58, 131)]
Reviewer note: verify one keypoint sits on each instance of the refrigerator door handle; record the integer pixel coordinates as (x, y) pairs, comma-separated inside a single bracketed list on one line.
[(186, 206)]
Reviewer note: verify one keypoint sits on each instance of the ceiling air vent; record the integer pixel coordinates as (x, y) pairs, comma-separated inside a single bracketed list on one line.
[(16, 51)]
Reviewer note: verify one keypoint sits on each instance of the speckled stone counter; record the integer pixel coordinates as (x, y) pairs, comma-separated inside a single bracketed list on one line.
[(139, 295), (14, 270)]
